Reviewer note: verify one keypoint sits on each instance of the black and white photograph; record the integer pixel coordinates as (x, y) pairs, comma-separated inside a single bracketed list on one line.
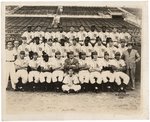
[(74, 60)]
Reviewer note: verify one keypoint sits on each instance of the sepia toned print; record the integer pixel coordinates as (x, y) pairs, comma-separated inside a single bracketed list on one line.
[(76, 60)]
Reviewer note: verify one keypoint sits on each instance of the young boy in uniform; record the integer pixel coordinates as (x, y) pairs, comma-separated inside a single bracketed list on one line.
[(71, 82)]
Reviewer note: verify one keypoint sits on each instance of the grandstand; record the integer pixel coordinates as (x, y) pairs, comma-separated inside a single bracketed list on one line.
[(21, 16)]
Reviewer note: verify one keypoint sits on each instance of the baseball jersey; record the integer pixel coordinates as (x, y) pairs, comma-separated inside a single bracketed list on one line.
[(115, 36), (106, 63), (34, 63), (39, 34), (104, 36), (71, 35), (93, 36), (75, 48), (95, 64), (118, 63), (45, 65), (21, 62), (47, 35), (111, 51), (82, 35), (100, 50), (71, 80), (125, 36), (28, 35), (35, 48), (57, 62), (24, 47), (87, 49), (122, 50), (10, 55)]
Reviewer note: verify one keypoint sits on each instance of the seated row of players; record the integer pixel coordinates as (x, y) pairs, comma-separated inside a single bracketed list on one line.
[(80, 36), (72, 73)]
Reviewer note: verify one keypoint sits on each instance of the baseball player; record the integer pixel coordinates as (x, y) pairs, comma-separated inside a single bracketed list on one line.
[(16, 45), (111, 49), (131, 57), (75, 47), (84, 75), (122, 48), (10, 68), (99, 48), (71, 62), (95, 69), (38, 33), (104, 34), (28, 35), (107, 75), (71, 34), (93, 34), (21, 65), (24, 47), (87, 47), (71, 82), (119, 67), (46, 73), (115, 36), (125, 35), (57, 67), (34, 74), (82, 34)]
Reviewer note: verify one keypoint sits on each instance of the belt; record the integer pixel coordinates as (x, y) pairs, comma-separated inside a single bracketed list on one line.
[(9, 61)]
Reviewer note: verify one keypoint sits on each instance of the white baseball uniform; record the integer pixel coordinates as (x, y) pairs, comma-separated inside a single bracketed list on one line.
[(125, 36), (96, 66), (100, 50), (115, 37), (82, 35), (92, 36), (107, 74), (34, 73), (29, 36), (45, 74), (75, 48), (84, 75), (111, 51), (71, 36), (104, 36), (22, 72), (58, 72), (87, 49), (119, 74), (70, 83), (10, 68)]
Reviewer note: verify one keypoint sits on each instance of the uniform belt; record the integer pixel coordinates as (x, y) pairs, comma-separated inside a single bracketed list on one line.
[(100, 57), (9, 61)]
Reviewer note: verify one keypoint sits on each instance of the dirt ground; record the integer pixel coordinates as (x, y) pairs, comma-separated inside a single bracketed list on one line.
[(47, 102)]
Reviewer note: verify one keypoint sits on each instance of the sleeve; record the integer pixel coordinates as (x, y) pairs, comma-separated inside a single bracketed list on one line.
[(123, 63), (66, 79), (75, 80), (16, 62), (24, 34)]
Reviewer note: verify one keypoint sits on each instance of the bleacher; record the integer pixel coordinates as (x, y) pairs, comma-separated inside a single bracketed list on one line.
[(98, 22), (74, 10), (38, 10), (135, 11)]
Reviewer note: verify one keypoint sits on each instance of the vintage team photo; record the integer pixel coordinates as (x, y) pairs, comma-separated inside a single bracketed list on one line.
[(72, 58)]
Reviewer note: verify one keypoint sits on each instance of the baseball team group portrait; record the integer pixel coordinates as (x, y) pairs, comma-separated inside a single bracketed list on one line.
[(72, 58)]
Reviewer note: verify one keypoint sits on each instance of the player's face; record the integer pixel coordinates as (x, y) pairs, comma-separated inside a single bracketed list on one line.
[(111, 44), (71, 56), (70, 72), (82, 28), (58, 56), (74, 42), (35, 57), (114, 30), (16, 44), (117, 57), (92, 29), (122, 44), (123, 30), (106, 57), (9, 45), (130, 47), (49, 43), (29, 29), (83, 57), (71, 29), (61, 29), (103, 29), (94, 56), (22, 56), (99, 43)]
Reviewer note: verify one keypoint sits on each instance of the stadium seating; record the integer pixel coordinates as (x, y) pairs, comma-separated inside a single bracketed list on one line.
[(135, 11), (37, 10)]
